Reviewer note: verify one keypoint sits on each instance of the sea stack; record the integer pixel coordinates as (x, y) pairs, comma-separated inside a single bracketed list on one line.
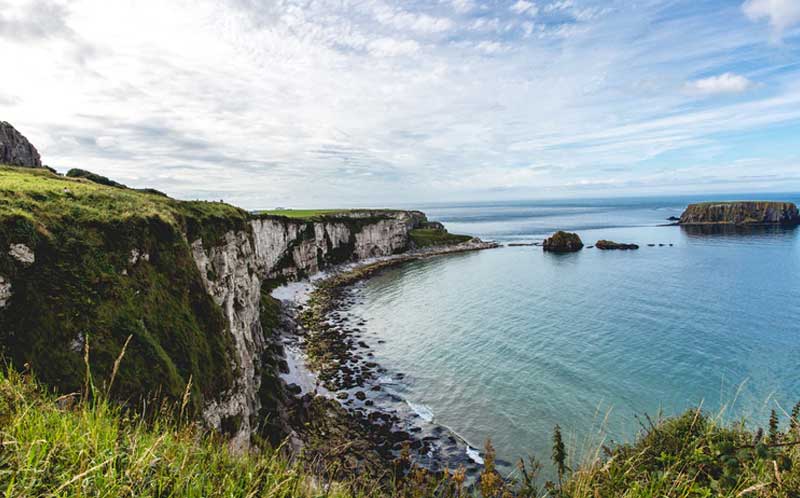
[(15, 149), (741, 213), (563, 242)]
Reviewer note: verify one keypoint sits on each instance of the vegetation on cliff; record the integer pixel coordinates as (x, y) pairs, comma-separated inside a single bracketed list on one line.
[(430, 237), (111, 263)]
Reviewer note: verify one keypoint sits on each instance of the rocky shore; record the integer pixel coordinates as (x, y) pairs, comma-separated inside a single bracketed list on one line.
[(330, 368)]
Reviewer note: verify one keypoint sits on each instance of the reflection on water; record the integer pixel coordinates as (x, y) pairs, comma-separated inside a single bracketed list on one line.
[(765, 231)]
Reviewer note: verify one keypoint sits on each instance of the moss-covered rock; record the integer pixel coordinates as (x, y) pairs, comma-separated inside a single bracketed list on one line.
[(563, 242)]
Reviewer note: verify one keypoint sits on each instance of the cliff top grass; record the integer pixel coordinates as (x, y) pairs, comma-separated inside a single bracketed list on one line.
[(43, 197), (712, 203), (318, 214), (428, 237)]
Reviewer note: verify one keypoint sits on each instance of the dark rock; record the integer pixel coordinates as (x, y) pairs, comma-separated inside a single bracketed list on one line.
[(563, 242), (15, 149), (95, 178), (607, 245), (361, 395), (294, 389)]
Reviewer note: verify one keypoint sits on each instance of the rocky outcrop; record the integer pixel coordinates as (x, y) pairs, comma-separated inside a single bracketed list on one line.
[(15, 150), (275, 248), (607, 245), (563, 242), (22, 254), (741, 213)]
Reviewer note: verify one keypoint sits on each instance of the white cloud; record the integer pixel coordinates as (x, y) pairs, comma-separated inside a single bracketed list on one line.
[(462, 6), (405, 20), (388, 47), (781, 14), (491, 47), (525, 7), (723, 83)]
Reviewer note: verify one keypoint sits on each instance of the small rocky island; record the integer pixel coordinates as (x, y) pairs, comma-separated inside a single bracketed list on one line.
[(741, 213), (563, 242), (607, 245)]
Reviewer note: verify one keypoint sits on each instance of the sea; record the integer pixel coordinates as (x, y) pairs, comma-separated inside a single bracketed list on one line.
[(505, 344)]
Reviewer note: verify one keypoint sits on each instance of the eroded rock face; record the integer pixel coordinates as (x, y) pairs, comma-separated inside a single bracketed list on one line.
[(275, 247), (230, 275), (563, 242), (741, 213), (22, 253), (15, 149), (5, 291)]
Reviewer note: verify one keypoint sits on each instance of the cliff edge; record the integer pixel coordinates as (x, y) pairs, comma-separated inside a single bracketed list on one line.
[(741, 213)]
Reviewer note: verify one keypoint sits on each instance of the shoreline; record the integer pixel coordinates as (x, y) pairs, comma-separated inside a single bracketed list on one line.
[(326, 356)]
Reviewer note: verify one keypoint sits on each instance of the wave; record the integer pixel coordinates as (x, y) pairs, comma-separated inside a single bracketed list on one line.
[(474, 455), (424, 411)]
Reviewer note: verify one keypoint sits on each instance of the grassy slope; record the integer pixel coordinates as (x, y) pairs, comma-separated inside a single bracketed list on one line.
[(428, 237), (94, 449), (84, 284), (77, 447)]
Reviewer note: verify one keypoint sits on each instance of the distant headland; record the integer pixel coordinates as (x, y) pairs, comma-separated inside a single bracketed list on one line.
[(741, 213)]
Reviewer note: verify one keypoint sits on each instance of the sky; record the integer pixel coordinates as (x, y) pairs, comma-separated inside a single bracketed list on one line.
[(335, 103)]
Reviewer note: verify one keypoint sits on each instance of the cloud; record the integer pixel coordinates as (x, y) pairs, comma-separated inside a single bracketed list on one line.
[(462, 6), (723, 83), (388, 47), (33, 20), (405, 20), (781, 14), (377, 102), (525, 7)]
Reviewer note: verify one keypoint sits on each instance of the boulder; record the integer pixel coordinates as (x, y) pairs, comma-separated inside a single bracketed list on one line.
[(606, 245), (563, 242), (15, 150)]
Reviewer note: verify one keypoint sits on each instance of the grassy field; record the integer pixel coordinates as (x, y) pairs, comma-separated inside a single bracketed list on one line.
[(427, 237)]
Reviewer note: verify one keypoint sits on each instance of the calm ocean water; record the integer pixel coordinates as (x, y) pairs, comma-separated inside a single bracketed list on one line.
[(507, 343)]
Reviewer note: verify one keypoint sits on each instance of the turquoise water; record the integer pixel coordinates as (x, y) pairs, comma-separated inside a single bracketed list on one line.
[(507, 343)]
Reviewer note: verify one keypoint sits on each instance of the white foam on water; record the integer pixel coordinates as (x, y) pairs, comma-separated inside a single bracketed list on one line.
[(385, 380), (424, 412), (474, 455)]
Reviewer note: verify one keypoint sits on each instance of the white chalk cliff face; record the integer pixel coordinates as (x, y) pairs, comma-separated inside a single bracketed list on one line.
[(276, 248)]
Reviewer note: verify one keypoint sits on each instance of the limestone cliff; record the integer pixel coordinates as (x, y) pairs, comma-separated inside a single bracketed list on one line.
[(276, 248), (741, 213)]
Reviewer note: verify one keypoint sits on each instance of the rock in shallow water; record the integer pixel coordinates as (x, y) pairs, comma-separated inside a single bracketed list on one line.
[(606, 245), (563, 242)]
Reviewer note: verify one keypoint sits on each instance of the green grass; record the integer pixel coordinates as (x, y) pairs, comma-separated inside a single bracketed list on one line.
[(73, 447), (304, 214), (317, 214), (429, 237)]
